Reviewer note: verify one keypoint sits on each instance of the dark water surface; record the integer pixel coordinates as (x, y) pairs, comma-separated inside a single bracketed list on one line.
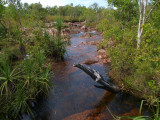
[(74, 91)]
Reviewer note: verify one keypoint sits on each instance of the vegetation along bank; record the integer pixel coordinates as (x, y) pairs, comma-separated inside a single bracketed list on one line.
[(32, 36)]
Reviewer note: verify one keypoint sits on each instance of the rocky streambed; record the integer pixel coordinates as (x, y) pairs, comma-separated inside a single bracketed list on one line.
[(74, 96)]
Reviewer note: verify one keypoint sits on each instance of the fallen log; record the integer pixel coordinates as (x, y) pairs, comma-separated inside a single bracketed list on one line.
[(98, 78)]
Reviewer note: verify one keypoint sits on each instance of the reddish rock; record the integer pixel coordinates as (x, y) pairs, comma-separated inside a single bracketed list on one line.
[(90, 115), (101, 52), (84, 28), (92, 43), (86, 35), (74, 32), (106, 60), (90, 62), (133, 112)]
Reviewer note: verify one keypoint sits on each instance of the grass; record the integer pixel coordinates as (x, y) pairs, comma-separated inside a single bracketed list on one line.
[(56, 48), (21, 83), (155, 109)]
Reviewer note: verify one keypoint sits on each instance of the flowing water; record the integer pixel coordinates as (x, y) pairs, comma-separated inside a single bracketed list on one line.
[(74, 96)]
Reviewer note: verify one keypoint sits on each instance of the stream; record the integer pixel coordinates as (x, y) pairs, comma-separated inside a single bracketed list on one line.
[(74, 96)]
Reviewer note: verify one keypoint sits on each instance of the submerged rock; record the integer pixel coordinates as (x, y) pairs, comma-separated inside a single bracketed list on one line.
[(90, 115), (87, 35)]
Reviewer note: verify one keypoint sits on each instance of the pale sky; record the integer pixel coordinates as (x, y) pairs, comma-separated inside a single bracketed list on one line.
[(65, 2)]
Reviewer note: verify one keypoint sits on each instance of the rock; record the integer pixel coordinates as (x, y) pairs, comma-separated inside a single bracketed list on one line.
[(101, 52), (65, 32), (133, 112), (104, 56), (90, 61), (92, 43), (50, 31), (83, 43), (84, 28), (87, 35), (49, 25), (106, 60), (90, 115), (74, 32), (70, 24), (88, 43)]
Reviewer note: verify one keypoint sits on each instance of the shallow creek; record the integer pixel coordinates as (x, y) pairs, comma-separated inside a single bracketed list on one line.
[(75, 97)]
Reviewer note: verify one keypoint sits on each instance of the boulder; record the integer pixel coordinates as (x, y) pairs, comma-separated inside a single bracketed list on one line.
[(90, 61), (101, 52), (84, 28), (87, 35)]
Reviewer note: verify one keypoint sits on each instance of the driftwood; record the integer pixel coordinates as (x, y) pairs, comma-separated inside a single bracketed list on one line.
[(98, 78)]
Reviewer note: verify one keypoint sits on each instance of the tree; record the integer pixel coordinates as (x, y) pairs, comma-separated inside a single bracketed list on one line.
[(16, 4), (37, 11), (142, 19), (2, 9), (126, 10)]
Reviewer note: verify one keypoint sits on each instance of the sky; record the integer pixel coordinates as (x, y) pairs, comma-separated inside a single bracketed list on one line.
[(65, 2)]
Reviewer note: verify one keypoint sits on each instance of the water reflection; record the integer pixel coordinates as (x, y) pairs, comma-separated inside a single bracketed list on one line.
[(101, 107)]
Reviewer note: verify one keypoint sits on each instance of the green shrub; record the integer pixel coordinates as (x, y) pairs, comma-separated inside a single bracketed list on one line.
[(59, 24), (38, 35), (50, 18), (12, 53), (21, 84), (56, 48), (136, 70)]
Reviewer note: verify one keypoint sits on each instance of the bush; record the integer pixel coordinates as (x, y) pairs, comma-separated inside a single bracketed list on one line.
[(135, 70), (50, 18), (56, 48), (73, 19), (21, 84), (12, 54)]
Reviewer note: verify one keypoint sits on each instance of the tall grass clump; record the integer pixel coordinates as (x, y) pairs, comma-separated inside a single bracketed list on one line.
[(59, 24), (155, 110), (54, 47), (21, 84)]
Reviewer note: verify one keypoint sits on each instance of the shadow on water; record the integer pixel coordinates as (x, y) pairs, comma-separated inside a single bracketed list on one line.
[(74, 96)]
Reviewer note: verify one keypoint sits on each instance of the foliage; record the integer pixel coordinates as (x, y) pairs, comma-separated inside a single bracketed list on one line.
[(23, 25), (11, 54), (127, 10), (59, 24), (21, 84), (22, 76), (135, 70), (55, 48), (156, 115)]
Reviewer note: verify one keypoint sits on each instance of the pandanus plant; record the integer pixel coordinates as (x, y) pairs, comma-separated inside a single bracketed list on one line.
[(7, 78), (59, 24)]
